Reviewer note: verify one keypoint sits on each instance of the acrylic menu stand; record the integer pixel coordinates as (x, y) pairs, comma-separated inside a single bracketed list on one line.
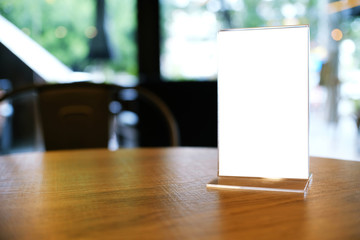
[(263, 109)]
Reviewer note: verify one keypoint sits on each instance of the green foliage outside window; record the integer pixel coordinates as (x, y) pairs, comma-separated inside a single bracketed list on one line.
[(65, 27)]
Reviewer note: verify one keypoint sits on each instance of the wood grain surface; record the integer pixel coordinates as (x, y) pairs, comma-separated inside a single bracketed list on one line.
[(161, 193)]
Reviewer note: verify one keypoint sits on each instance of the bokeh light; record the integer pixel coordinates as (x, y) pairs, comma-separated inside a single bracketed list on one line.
[(336, 34)]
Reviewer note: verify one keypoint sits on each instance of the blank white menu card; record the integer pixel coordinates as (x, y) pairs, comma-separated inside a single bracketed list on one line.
[(263, 102)]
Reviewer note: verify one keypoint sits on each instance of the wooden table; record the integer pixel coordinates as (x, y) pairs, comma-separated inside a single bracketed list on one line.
[(160, 193)]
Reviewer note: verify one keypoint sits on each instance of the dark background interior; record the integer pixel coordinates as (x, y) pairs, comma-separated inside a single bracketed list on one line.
[(194, 104)]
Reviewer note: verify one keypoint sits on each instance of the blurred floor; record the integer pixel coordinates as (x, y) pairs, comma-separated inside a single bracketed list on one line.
[(340, 141)]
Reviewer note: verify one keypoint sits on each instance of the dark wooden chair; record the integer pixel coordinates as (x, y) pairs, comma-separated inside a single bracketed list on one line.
[(77, 115)]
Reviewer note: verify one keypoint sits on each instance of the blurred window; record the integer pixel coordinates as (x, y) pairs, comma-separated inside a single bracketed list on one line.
[(189, 30), (66, 27)]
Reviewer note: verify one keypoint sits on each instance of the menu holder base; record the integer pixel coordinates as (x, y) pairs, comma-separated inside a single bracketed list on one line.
[(261, 184)]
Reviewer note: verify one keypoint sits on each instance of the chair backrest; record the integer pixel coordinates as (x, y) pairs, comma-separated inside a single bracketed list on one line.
[(77, 115), (74, 116)]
